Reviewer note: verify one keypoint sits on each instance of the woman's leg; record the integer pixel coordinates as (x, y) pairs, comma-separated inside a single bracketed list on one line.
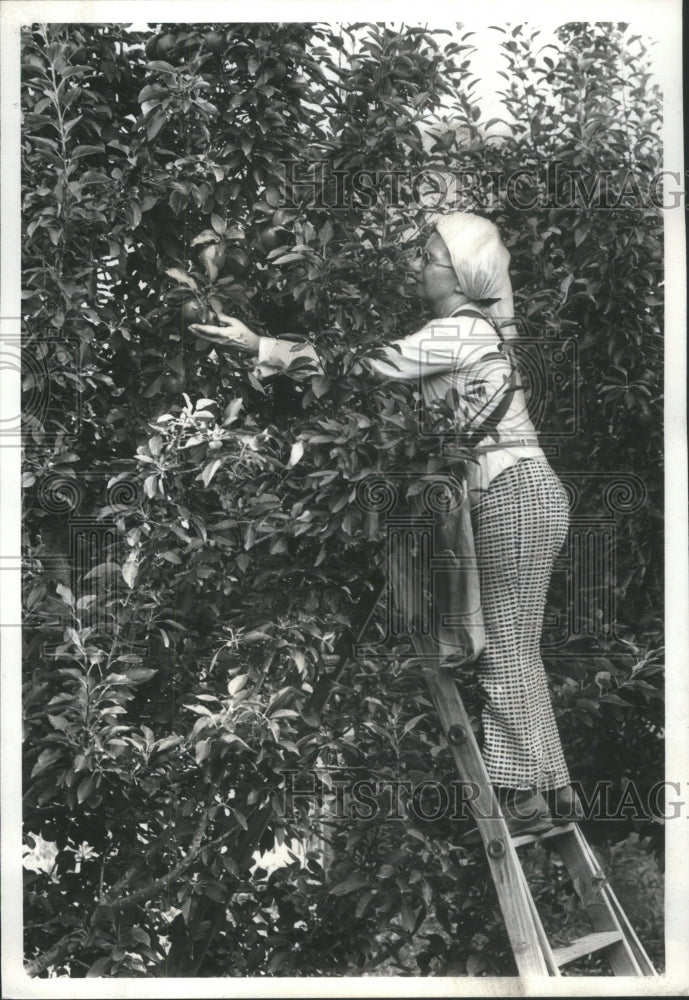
[(521, 524)]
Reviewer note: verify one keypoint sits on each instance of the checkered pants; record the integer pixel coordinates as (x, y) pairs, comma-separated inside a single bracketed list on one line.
[(520, 524)]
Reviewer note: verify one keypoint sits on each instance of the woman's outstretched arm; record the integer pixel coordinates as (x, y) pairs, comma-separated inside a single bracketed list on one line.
[(274, 354), (432, 350)]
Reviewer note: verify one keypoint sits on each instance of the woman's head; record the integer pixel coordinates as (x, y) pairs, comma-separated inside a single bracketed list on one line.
[(472, 248), (435, 273)]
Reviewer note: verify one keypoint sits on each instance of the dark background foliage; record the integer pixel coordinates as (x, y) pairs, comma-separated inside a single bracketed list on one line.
[(193, 542)]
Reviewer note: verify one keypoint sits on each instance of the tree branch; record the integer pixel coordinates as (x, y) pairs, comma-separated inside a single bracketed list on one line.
[(150, 891), (153, 888)]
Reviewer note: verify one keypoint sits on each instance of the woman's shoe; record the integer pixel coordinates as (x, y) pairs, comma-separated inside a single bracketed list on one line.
[(565, 806), (525, 811)]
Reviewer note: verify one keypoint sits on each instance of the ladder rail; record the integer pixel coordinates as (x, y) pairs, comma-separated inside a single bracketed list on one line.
[(639, 952), (546, 947), (524, 928)]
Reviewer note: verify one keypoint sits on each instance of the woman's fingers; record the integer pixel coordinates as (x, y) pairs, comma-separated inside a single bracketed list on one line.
[(203, 330), (208, 328), (228, 336), (220, 334), (230, 320)]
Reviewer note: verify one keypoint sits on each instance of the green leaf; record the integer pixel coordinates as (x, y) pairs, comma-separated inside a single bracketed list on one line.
[(230, 865), (214, 892), (167, 743), (130, 568), (240, 817), (73, 636), (151, 485), (210, 470), (139, 934), (182, 278), (237, 684), (614, 699), (200, 710), (141, 674), (232, 411), (46, 759), (408, 917), (87, 151), (103, 570), (296, 454), (154, 124), (86, 788), (59, 722), (350, 884), (99, 968), (363, 902), (66, 594)]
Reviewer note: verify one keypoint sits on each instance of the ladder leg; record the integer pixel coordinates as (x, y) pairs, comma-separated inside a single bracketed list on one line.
[(551, 962), (524, 928), (590, 885), (633, 944)]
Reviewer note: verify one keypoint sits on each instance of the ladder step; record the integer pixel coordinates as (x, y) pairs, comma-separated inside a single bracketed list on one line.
[(535, 838), (586, 945)]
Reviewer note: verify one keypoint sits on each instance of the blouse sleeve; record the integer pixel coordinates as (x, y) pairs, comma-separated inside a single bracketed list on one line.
[(439, 346)]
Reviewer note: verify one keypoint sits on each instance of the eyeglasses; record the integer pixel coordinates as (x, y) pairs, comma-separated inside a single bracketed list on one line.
[(426, 259)]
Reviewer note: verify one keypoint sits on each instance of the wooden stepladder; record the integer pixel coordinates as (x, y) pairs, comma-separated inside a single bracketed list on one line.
[(612, 933)]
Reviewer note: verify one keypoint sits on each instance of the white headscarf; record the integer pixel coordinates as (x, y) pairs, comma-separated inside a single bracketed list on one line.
[(480, 260)]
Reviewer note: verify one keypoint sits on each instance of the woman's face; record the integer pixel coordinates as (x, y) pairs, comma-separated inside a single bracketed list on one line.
[(435, 276)]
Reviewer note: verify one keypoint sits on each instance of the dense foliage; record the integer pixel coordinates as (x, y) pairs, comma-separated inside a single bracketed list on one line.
[(193, 539)]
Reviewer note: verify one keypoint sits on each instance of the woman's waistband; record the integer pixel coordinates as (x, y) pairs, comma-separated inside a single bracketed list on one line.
[(522, 442)]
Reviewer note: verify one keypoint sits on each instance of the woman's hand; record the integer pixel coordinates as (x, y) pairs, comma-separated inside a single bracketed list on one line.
[(233, 334)]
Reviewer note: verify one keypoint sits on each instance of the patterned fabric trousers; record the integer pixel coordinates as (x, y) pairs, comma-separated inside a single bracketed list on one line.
[(520, 525)]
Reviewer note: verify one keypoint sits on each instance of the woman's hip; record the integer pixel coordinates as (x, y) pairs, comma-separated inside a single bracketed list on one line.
[(527, 498)]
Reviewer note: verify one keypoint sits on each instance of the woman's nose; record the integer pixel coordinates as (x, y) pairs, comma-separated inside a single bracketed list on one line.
[(416, 264)]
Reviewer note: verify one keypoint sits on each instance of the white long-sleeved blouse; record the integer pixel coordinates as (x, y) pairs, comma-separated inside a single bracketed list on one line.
[(454, 352)]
